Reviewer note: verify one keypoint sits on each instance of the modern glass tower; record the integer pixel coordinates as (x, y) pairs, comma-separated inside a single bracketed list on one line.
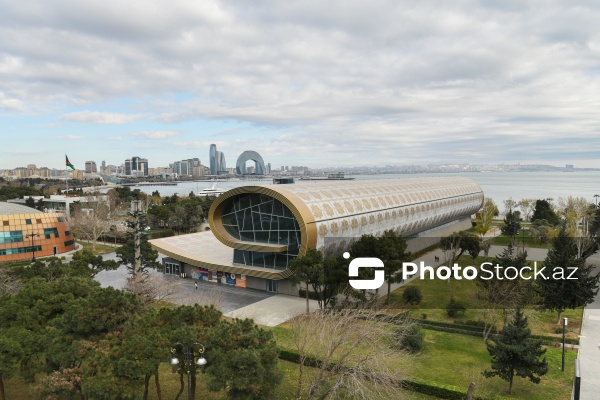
[(213, 159)]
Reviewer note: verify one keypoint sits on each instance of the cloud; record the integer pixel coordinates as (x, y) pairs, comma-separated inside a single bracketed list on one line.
[(70, 137), (156, 135), (370, 82), (97, 117)]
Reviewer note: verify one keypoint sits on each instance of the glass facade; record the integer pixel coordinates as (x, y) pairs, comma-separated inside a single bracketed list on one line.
[(262, 219), (11, 237), (48, 232), (20, 250)]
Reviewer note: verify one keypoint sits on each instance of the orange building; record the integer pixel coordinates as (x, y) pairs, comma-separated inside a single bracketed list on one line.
[(25, 232)]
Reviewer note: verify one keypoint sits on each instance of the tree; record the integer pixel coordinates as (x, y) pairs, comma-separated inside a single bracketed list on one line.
[(40, 205), (126, 253), (308, 269), (486, 216), (10, 353), (242, 359), (93, 221), (503, 294), (391, 249), (526, 206), (353, 348), (512, 224), (543, 210), (515, 352), (559, 293), (458, 243), (454, 307), (30, 202)]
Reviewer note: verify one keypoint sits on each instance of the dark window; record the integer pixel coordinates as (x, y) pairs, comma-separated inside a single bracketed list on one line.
[(67, 233), (61, 219), (69, 242), (50, 231), (28, 221)]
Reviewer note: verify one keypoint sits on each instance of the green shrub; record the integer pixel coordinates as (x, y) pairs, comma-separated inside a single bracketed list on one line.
[(162, 234), (454, 307), (412, 295), (411, 338)]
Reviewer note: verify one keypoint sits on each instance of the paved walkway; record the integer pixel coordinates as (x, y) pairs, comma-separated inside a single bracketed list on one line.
[(589, 345), (274, 310)]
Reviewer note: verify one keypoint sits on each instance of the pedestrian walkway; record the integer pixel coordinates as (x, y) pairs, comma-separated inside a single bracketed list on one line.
[(274, 310), (589, 345)]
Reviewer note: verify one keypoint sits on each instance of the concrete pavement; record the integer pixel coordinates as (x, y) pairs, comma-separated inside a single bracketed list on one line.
[(589, 345)]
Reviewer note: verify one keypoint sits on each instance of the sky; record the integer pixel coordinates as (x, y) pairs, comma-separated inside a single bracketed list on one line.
[(317, 83)]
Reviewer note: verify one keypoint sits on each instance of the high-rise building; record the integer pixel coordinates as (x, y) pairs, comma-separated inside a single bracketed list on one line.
[(216, 161), (90, 166), (221, 165), (213, 159), (189, 167), (103, 167), (136, 166)]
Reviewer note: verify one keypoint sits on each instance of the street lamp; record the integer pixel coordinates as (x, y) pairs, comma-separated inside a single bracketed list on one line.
[(32, 235), (596, 196), (565, 322), (190, 352)]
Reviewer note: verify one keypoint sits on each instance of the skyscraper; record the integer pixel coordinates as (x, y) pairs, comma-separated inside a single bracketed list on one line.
[(136, 166), (213, 159), (90, 166)]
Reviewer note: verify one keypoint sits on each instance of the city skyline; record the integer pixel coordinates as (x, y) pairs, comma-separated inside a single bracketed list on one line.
[(340, 84)]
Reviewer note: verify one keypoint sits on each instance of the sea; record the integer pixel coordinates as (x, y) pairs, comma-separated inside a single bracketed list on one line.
[(498, 186)]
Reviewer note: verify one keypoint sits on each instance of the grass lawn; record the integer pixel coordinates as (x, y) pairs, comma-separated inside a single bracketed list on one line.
[(458, 360), (100, 248), (16, 389), (437, 293), (529, 240)]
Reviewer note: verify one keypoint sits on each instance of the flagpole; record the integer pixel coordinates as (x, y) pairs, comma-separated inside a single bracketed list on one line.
[(67, 179)]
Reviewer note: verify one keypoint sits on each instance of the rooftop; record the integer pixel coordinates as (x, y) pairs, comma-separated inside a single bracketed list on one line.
[(13, 208)]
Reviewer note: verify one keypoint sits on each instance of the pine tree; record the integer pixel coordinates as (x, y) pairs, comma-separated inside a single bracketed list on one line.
[(559, 293), (515, 352), (512, 224)]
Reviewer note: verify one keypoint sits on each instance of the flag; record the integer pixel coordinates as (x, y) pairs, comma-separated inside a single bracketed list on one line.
[(69, 163)]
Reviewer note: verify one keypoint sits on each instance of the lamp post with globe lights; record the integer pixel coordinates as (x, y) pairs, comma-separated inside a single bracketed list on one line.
[(193, 357)]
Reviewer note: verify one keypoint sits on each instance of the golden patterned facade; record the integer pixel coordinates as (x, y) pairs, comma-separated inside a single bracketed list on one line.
[(350, 209), (24, 229)]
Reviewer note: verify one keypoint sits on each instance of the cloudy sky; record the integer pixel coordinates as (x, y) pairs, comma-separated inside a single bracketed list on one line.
[(318, 83)]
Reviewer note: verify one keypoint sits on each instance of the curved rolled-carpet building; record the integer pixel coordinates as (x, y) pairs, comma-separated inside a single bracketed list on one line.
[(25, 230), (258, 230)]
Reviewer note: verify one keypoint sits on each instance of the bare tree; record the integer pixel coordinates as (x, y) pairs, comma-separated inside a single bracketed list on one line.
[(8, 283), (154, 287), (93, 219), (356, 355), (577, 213), (527, 206)]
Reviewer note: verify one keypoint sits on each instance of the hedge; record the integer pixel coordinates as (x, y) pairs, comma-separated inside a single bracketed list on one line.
[(471, 329)]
